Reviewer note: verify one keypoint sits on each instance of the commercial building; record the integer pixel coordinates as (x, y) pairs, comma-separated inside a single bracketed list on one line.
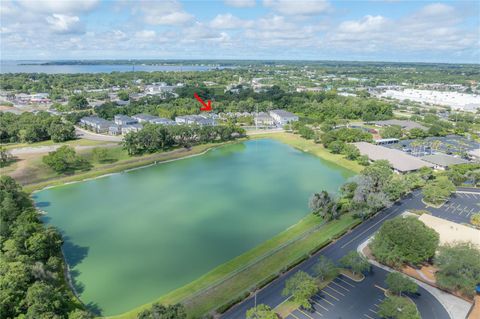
[(386, 141), (407, 125), (282, 117), (400, 161), (443, 161)]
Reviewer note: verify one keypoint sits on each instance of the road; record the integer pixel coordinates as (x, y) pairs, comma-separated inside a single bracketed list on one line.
[(358, 303), (82, 133)]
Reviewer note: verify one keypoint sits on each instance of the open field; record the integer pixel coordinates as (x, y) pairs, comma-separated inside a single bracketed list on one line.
[(243, 281)]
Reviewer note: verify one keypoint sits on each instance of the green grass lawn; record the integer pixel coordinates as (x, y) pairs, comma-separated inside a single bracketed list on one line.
[(243, 281), (311, 147)]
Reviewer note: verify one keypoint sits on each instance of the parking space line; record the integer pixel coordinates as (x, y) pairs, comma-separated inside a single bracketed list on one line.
[(330, 295), (466, 195), (319, 305), (458, 206), (306, 314), (367, 316), (324, 300), (294, 315), (338, 292), (372, 310), (376, 305), (333, 282), (448, 206), (346, 282)]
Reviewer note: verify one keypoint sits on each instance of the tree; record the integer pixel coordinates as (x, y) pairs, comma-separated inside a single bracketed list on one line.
[(380, 173), (458, 267), (261, 312), (302, 287), (158, 311), (123, 95), (351, 152), (398, 308), (325, 269), (78, 102), (5, 157), (319, 203), (438, 190), (101, 155), (64, 160), (398, 284), (355, 262), (392, 131), (60, 132), (79, 314), (475, 219), (336, 147), (404, 240)]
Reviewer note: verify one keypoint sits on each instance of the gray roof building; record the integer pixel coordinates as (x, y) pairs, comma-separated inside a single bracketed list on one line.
[(408, 125), (399, 161), (124, 120), (195, 119), (443, 160)]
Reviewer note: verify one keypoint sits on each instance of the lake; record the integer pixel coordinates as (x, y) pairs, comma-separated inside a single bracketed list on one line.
[(134, 236), (17, 67)]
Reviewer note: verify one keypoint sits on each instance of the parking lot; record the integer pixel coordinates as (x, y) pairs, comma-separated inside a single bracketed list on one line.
[(460, 207), (343, 298)]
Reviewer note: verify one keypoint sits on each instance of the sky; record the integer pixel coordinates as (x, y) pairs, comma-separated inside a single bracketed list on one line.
[(388, 30)]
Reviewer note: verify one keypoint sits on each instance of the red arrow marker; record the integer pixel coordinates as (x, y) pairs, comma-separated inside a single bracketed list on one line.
[(206, 106)]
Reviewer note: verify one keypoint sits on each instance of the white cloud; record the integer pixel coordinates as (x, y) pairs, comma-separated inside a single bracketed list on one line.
[(59, 6), (240, 3), (62, 23), (366, 24), (166, 12), (145, 35), (300, 7), (229, 21)]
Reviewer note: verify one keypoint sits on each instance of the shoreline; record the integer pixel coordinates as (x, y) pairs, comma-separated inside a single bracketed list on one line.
[(129, 169), (127, 165)]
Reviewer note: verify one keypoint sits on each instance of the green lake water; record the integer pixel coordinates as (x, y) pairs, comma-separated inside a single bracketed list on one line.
[(134, 236)]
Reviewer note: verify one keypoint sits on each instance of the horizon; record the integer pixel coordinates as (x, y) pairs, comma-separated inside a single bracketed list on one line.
[(268, 30)]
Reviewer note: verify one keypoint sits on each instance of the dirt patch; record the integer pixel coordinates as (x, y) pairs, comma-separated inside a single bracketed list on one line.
[(475, 312)]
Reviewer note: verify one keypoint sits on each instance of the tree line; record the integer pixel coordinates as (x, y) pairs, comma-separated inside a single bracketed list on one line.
[(153, 138), (32, 281), (28, 127)]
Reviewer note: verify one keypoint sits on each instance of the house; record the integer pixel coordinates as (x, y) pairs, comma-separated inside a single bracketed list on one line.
[(282, 117), (95, 124), (124, 120), (400, 162), (443, 161), (114, 129), (263, 119), (144, 118), (131, 128), (195, 119)]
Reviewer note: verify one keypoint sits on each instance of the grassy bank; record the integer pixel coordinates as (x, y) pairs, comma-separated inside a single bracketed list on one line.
[(311, 147), (48, 178), (200, 297)]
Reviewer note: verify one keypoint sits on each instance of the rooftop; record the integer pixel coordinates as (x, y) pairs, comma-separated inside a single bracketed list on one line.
[(283, 113), (403, 123), (444, 160), (399, 160)]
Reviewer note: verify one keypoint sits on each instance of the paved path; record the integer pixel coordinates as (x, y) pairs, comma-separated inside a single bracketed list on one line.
[(362, 300), (50, 148), (82, 133)]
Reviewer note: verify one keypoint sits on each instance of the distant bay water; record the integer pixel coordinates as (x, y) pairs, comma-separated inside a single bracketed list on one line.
[(38, 67)]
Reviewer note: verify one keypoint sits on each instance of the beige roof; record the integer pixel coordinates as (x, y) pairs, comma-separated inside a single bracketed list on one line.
[(451, 232), (399, 160)]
